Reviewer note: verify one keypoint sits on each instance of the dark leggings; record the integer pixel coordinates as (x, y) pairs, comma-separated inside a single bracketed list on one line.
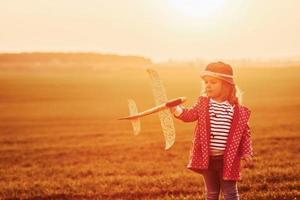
[(214, 182)]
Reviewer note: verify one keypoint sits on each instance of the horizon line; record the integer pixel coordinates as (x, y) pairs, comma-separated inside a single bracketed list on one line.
[(170, 59)]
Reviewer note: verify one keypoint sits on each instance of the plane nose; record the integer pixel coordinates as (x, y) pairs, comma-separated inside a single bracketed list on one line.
[(183, 99), (175, 102)]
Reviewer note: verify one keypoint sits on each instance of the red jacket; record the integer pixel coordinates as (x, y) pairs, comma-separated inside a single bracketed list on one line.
[(238, 143)]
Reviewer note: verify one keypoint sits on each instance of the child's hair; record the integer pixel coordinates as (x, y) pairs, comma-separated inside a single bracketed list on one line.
[(223, 72), (231, 93)]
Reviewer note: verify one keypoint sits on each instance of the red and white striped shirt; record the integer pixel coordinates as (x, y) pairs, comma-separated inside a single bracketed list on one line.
[(220, 122)]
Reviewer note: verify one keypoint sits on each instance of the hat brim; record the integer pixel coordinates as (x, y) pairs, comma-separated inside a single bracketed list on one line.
[(226, 78)]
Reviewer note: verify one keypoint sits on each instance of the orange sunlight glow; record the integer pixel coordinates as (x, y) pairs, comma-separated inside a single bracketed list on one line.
[(197, 8), (160, 30)]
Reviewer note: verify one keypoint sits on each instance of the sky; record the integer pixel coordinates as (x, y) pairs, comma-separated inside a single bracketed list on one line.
[(157, 29)]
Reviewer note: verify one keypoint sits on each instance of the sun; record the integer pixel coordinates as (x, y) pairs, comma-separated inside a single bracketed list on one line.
[(197, 8)]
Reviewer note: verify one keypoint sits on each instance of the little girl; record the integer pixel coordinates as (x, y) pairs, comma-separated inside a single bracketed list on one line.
[(222, 135)]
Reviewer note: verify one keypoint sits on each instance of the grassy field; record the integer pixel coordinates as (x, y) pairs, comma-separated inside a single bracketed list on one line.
[(59, 137)]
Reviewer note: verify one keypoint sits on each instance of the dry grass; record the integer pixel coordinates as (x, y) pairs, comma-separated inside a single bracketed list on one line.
[(59, 137)]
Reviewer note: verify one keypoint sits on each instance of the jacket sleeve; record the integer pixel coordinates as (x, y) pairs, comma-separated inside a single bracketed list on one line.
[(189, 114), (246, 142)]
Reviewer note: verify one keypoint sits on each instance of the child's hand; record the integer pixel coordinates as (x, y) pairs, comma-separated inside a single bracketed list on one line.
[(177, 110), (248, 162)]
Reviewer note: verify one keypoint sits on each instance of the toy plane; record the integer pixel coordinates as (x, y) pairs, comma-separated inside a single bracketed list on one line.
[(162, 107)]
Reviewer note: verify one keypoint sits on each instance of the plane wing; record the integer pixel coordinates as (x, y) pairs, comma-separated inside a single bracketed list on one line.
[(162, 107), (165, 116)]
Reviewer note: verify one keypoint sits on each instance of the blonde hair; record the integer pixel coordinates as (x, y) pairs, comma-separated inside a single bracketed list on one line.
[(232, 93)]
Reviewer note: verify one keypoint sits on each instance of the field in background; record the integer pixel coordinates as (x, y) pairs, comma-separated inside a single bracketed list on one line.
[(59, 137)]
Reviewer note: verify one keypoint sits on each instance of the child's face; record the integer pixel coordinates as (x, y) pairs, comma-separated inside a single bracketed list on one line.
[(213, 87)]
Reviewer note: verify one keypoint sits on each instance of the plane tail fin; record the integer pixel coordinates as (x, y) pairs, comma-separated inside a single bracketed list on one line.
[(136, 124)]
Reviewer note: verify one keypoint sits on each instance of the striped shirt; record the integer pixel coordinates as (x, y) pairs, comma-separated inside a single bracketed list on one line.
[(220, 123)]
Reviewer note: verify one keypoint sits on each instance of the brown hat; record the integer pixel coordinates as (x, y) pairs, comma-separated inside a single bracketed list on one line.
[(219, 70)]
